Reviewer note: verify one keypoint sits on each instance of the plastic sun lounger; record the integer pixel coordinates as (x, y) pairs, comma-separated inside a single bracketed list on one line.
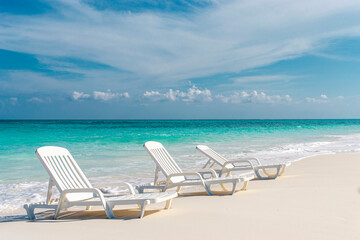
[(246, 164), (76, 190), (175, 177)]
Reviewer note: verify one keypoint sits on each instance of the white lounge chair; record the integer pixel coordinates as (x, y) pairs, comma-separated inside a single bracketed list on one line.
[(245, 164), (175, 177), (76, 190)]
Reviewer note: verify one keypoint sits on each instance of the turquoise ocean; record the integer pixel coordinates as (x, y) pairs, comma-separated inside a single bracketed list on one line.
[(111, 151)]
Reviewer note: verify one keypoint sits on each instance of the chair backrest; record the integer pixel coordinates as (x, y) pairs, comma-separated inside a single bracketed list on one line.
[(163, 160), (213, 155), (64, 171)]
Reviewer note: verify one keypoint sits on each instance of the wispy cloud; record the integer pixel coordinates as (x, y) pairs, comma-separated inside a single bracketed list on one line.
[(253, 97), (38, 100), (336, 57), (263, 78), (171, 47), (12, 101), (192, 94)]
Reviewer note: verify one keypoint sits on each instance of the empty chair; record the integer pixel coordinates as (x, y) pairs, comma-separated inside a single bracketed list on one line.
[(175, 177), (76, 190), (245, 164)]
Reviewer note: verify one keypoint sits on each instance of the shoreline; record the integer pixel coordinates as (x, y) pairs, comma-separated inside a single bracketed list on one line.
[(110, 183), (317, 198)]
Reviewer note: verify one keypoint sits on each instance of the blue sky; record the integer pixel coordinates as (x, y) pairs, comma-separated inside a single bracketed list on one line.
[(73, 59)]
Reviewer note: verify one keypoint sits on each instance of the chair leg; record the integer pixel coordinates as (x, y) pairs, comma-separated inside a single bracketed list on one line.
[(272, 176), (30, 211), (208, 190), (223, 187), (257, 173), (244, 186), (278, 170), (266, 173), (110, 213), (58, 209), (178, 189), (282, 171), (234, 187), (143, 205), (109, 210), (168, 204)]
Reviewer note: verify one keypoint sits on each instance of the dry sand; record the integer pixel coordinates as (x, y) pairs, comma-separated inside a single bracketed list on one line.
[(317, 198)]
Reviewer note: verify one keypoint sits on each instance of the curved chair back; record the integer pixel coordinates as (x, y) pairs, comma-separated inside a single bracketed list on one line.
[(163, 160), (64, 171), (212, 155)]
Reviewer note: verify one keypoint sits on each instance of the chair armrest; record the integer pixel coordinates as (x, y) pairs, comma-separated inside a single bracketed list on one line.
[(207, 170), (251, 159), (238, 161), (129, 187)]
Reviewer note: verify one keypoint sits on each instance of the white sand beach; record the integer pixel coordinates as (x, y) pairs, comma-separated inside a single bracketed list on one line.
[(317, 198)]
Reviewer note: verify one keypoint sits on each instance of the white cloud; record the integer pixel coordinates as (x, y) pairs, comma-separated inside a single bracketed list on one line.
[(107, 96), (151, 93), (104, 96), (79, 95), (254, 97), (98, 95), (13, 100), (323, 96), (321, 99), (191, 95), (126, 95), (195, 93)]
